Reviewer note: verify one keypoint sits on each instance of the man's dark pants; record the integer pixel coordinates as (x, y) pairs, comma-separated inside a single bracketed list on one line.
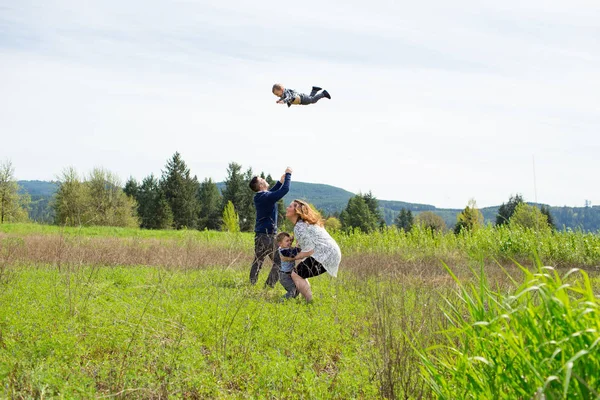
[(264, 245)]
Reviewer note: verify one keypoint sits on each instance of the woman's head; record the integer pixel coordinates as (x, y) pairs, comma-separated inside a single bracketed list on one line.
[(299, 209)]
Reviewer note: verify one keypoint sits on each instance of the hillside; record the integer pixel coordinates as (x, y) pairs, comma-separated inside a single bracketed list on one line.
[(332, 200), (38, 188)]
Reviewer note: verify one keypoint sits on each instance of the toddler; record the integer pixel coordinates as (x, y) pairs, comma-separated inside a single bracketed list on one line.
[(290, 96), (284, 241)]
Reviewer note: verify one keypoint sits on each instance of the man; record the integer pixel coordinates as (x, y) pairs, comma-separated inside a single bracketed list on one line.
[(265, 229)]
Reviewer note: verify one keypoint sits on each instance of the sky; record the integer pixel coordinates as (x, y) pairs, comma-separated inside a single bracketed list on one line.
[(433, 102)]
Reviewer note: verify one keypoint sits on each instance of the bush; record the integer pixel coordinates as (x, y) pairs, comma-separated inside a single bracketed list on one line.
[(333, 224), (527, 216), (431, 220), (231, 220), (469, 219)]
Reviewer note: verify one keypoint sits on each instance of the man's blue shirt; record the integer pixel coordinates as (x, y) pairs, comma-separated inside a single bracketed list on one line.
[(266, 206)]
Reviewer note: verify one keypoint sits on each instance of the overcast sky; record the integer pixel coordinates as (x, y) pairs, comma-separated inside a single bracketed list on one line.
[(432, 102)]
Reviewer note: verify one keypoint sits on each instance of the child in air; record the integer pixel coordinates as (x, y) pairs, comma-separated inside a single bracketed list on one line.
[(284, 241), (290, 96)]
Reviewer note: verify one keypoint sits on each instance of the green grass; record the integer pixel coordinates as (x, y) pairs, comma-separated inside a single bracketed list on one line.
[(75, 322), (202, 333)]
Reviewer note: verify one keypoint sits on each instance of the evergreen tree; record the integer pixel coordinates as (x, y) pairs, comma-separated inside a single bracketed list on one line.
[(13, 207), (404, 220), (507, 210), (209, 199), (131, 188), (358, 215), (247, 211), (180, 190), (153, 208), (234, 190), (373, 205), (546, 211)]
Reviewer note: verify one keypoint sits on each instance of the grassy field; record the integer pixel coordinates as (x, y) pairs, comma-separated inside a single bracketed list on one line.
[(108, 312)]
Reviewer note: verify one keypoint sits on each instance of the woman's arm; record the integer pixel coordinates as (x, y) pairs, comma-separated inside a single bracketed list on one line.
[(304, 254), (299, 256)]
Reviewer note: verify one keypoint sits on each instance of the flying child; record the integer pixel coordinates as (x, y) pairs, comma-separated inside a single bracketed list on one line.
[(290, 96)]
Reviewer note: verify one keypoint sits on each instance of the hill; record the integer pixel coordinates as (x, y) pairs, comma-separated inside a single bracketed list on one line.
[(333, 200), (41, 193), (38, 188)]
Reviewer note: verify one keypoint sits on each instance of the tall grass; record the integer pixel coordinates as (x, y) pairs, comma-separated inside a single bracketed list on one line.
[(560, 249), (541, 341)]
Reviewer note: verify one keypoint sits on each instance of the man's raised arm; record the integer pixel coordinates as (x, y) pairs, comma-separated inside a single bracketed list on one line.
[(282, 187)]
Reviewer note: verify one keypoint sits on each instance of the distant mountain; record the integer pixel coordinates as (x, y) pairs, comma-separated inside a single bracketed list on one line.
[(38, 188), (41, 193), (327, 198), (332, 200)]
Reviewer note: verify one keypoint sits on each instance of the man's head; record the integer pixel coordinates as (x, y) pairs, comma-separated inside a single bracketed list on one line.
[(278, 89), (258, 184), (284, 239)]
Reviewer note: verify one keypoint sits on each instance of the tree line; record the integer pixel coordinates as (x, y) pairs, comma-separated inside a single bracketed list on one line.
[(363, 213), (177, 200)]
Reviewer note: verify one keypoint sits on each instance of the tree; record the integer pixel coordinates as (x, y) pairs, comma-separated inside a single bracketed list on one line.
[(333, 224), (131, 188), (469, 219), (153, 209), (99, 200), (231, 220), (546, 211), (180, 192), (108, 203), (247, 210), (237, 191), (507, 210), (431, 221), (71, 199), (358, 215), (527, 216), (209, 199), (13, 207), (373, 205), (404, 220)]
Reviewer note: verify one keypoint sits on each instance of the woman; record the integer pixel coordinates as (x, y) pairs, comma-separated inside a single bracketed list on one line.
[(320, 253)]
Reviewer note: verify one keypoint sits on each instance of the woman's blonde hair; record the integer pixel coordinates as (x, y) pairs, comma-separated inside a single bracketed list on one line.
[(307, 213)]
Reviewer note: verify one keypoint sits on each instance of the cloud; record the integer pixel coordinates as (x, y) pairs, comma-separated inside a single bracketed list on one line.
[(432, 102)]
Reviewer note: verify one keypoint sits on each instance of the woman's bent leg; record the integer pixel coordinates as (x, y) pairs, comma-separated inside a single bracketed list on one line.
[(302, 286)]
